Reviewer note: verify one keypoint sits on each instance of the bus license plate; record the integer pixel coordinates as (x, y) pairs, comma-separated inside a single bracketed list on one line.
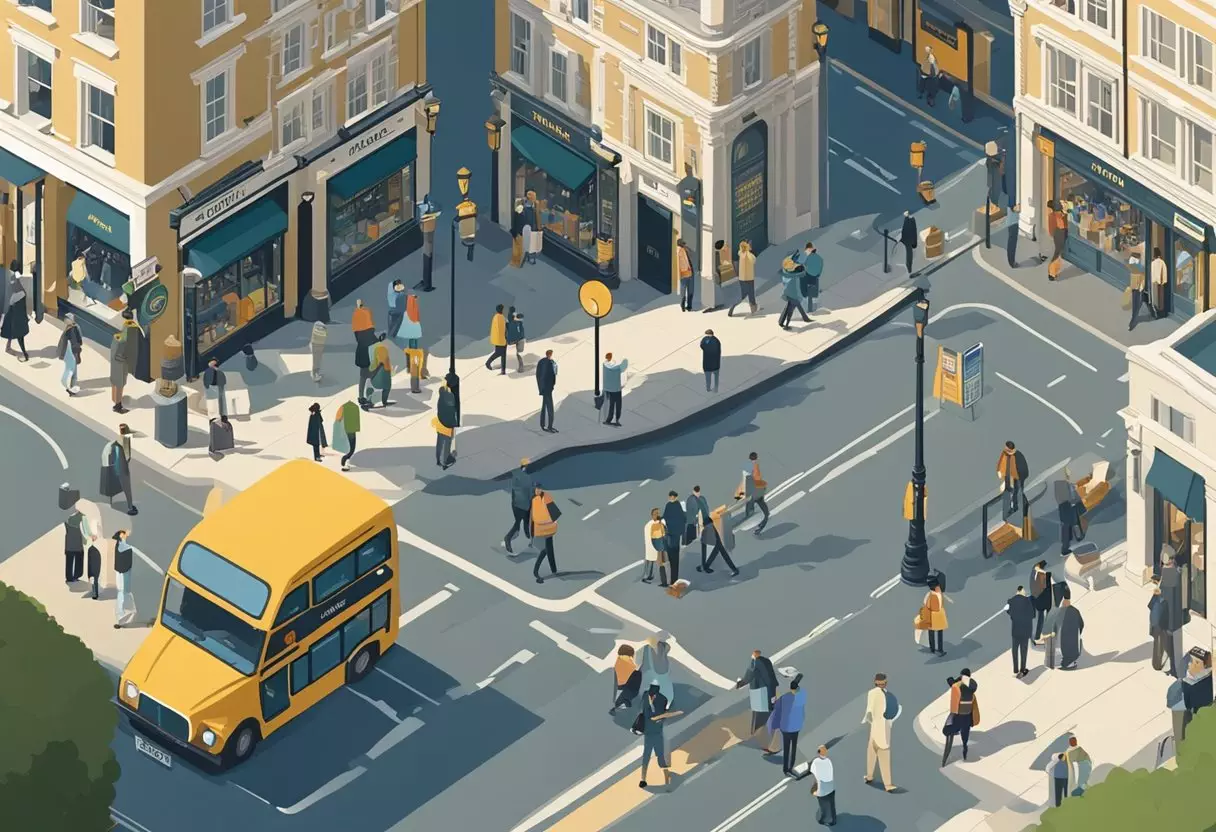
[(152, 751)]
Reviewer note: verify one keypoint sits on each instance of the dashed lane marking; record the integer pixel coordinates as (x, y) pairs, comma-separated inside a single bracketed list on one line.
[(251, 794), (929, 130), (644, 483), (873, 177), (983, 624), (425, 606), (1054, 382), (407, 686), (885, 588), (618, 498), (1072, 422), (1106, 433), (591, 514), (520, 658), (881, 101)]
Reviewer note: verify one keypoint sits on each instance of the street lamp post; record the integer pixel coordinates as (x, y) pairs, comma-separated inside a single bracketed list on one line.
[(464, 220), (820, 30), (494, 126), (914, 570), (430, 213), (596, 299)]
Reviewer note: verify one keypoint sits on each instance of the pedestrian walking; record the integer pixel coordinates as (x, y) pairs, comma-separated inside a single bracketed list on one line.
[(791, 291), (124, 605), (788, 716), (1081, 766), (923, 69), (964, 713), (533, 233), (410, 334), (626, 677), (655, 534), (1020, 610), (656, 665), (517, 337), (1180, 715), (761, 682), (1069, 625), (673, 521), (382, 375), (1138, 296), (316, 346), (1057, 227), (364, 328), (824, 787), (16, 321), (933, 80), (650, 724), (396, 307), (1176, 615), (1158, 616), (445, 422), (498, 339), (70, 351), (1070, 511), (747, 279), (350, 423), (696, 516), (711, 359), (1057, 770), (812, 270), (1014, 230), (1040, 593), (93, 570), (116, 468), (1159, 274), (933, 614), (881, 710), (753, 488), (122, 357), (722, 541), (1012, 472), (214, 384), (77, 535), (687, 274), (545, 514), (909, 239), (522, 488), (316, 431), (613, 385), (546, 380)]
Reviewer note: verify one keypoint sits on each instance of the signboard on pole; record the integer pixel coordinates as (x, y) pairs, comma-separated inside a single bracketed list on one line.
[(948, 382), (973, 375)]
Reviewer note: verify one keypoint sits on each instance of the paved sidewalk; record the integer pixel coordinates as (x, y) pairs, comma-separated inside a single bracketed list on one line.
[(1025, 721)]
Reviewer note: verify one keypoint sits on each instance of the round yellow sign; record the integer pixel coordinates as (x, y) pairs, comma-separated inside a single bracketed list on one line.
[(595, 298)]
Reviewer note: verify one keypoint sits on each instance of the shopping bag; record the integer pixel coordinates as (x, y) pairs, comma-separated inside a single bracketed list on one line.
[(758, 697), (337, 438), (537, 241), (918, 633)]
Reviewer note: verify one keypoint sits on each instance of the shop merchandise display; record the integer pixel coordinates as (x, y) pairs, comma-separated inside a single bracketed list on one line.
[(370, 216)]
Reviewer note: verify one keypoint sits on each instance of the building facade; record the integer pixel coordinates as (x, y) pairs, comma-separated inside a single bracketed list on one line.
[(1116, 114), (639, 122), (174, 164)]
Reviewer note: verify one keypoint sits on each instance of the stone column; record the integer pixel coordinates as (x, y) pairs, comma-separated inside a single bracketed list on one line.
[(714, 224), (1030, 167), (319, 296), (1139, 509)]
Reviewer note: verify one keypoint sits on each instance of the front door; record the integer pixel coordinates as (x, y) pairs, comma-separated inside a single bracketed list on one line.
[(749, 187), (654, 245)]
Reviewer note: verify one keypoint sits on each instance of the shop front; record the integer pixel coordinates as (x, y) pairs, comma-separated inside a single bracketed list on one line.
[(573, 185), (1115, 224), (1179, 514)]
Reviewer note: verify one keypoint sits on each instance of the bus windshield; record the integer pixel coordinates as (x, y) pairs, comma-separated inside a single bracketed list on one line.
[(247, 592), (211, 627)]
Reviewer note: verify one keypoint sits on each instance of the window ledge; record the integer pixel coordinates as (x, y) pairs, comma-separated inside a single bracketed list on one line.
[(45, 18), (292, 77), (36, 122), (350, 122), (219, 31), (380, 25), (97, 43), (98, 154), (223, 143), (518, 80), (338, 48)]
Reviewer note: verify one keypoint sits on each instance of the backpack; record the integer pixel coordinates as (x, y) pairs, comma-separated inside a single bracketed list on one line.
[(892, 709)]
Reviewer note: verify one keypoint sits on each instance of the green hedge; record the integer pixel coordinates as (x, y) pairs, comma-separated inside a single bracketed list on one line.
[(1183, 799), (57, 770)]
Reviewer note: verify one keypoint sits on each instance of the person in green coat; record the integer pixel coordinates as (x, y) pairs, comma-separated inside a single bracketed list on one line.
[(349, 415)]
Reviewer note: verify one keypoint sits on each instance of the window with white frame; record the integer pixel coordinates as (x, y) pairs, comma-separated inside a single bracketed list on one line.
[(378, 70), (1198, 64), (216, 13), (44, 5), (1161, 133), (1097, 12), (521, 46), (330, 31), (321, 110), (1173, 420), (356, 94), (1158, 38), (376, 9), (369, 80), (656, 45), (98, 119), (677, 58), (279, 5), (293, 50), (581, 9), (1061, 80), (33, 84), (1201, 158), (1100, 104), (751, 63), (559, 75), (660, 137), (97, 18), (291, 121), (216, 116)]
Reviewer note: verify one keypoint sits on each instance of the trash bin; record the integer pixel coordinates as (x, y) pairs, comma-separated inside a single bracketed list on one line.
[(171, 426)]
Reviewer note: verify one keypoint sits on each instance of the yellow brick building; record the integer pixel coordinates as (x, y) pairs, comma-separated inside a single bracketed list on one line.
[(261, 153), (1116, 114), (637, 122)]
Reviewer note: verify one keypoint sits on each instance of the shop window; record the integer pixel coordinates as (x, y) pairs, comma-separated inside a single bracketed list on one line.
[(562, 212), (97, 17), (358, 223), (1061, 80), (1101, 219), (752, 74), (660, 137), (1162, 128), (1188, 540), (322, 108), (98, 119), (1186, 268), (96, 274), (1158, 38), (1100, 100), (558, 74), (1201, 158), (231, 298), (521, 46), (215, 14), (35, 93)]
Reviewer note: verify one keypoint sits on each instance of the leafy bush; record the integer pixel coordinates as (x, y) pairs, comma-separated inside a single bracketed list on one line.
[(1183, 799), (57, 770)]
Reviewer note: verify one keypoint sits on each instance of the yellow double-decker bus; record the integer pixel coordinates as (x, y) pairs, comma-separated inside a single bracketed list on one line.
[(272, 602)]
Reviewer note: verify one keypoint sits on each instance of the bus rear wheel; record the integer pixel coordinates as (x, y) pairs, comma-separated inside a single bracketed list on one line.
[(362, 662), (241, 745)]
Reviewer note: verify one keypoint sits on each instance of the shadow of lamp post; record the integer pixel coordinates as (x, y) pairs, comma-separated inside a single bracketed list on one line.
[(914, 570), (494, 126), (820, 31), (596, 299), (464, 221)]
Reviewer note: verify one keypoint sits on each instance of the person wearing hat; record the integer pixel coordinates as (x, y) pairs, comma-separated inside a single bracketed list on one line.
[(908, 237), (69, 352), (791, 281), (686, 275), (316, 431), (522, 486)]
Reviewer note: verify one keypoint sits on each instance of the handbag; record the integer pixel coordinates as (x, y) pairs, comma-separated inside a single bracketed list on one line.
[(338, 440), (758, 697), (924, 618), (637, 723)]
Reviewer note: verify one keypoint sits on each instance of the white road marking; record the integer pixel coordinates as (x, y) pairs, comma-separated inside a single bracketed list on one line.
[(379, 704), (421, 609), (850, 464), (644, 483), (251, 794), (566, 646), (766, 797), (452, 587), (613, 575), (798, 644), (522, 657), (982, 624), (588, 784), (618, 498), (840, 143), (881, 100), (173, 499), (394, 737), (873, 177), (836, 69), (786, 503), (1099, 444), (407, 686), (996, 310), (333, 786), (950, 235), (127, 821), (1054, 382), (155, 566), (1106, 433), (885, 588), (1042, 401), (886, 174), (46, 437), (956, 178), (1123, 377), (925, 129), (591, 514), (1034, 483)]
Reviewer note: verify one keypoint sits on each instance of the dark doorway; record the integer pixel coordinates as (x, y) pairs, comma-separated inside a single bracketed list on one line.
[(303, 253), (749, 187), (654, 244)]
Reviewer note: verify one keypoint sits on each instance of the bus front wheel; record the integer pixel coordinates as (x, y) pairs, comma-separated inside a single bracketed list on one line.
[(241, 745), (361, 663)]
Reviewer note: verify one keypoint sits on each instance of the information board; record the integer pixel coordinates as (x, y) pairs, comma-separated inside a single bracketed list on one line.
[(947, 383), (973, 375)]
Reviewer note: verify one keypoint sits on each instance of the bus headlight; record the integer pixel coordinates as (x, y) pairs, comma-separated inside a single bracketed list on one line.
[(130, 691), (208, 737)]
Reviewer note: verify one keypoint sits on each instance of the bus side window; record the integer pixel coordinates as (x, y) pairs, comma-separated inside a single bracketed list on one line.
[(374, 552), (335, 578), (300, 674), (274, 695), (354, 631), (380, 613), (294, 604)]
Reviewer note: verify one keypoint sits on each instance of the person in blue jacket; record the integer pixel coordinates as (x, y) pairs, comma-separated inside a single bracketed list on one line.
[(788, 716)]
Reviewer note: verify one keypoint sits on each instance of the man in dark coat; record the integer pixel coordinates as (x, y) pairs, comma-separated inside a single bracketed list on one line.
[(673, 519), (1068, 629), (118, 458), (1021, 619), (711, 359), (445, 415), (522, 486), (316, 431), (1158, 614), (546, 380), (1069, 514), (908, 239), (1012, 470), (1040, 592), (1176, 614), (761, 681)]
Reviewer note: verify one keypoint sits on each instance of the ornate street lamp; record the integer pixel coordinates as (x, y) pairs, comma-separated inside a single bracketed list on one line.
[(494, 126), (464, 220), (820, 31), (914, 570), (430, 106)]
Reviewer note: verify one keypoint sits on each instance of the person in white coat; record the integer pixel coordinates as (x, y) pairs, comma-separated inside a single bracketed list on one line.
[(652, 531), (878, 745)]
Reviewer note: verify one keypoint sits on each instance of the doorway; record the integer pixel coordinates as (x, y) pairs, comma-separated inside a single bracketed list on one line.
[(654, 245), (749, 187)]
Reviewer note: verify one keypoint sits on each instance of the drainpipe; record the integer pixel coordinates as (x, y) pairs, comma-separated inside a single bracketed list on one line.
[(1126, 93)]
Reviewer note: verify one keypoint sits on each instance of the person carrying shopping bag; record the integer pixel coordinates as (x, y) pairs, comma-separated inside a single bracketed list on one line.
[(655, 534), (411, 333), (382, 375)]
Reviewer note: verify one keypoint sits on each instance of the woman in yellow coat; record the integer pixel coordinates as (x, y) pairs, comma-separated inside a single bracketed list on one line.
[(934, 608), (544, 514), (382, 374)]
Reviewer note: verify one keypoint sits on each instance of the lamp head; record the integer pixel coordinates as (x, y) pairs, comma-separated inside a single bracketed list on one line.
[(462, 180), (308, 196), (466, 222), (820, 31), (920, 315), (494, 126), (430, 106)]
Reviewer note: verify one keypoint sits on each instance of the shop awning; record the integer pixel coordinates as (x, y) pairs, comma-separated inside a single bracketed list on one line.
[(1178, 484), (103, 222), (16, 171), (378, 166), (233, 239), (561, 164)]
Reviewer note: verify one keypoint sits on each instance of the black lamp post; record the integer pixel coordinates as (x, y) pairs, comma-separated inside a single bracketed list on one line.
[(465, 221), (430, 209), (494, 126), (820, 30), (914, 570)]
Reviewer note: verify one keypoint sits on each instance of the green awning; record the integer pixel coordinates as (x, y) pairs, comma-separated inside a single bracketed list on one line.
[(375, 168), (1178, 484), (100, 220), (233, 239), (16, 171), (553, 158)]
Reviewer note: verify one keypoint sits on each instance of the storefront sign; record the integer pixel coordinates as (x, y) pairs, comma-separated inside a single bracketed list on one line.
[(154, 303), (944, 31), (371, 140), (1103, 172), (144, 272), (654, 187), (1190, 229), (238, 194), (551, 126)]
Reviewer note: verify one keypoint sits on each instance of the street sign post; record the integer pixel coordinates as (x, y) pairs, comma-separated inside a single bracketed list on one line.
[(973, 375)]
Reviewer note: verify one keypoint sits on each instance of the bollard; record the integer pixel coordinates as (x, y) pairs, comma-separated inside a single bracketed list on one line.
[(886, 241)]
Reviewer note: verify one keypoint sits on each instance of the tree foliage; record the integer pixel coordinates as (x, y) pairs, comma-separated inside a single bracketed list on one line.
[(57, 770)]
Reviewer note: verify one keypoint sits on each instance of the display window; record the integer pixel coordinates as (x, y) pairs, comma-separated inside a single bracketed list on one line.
[(561, 212), (96, 274), (1186, 537), (231, 298), (359, 223), (1188, 265), (1101, 219)]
